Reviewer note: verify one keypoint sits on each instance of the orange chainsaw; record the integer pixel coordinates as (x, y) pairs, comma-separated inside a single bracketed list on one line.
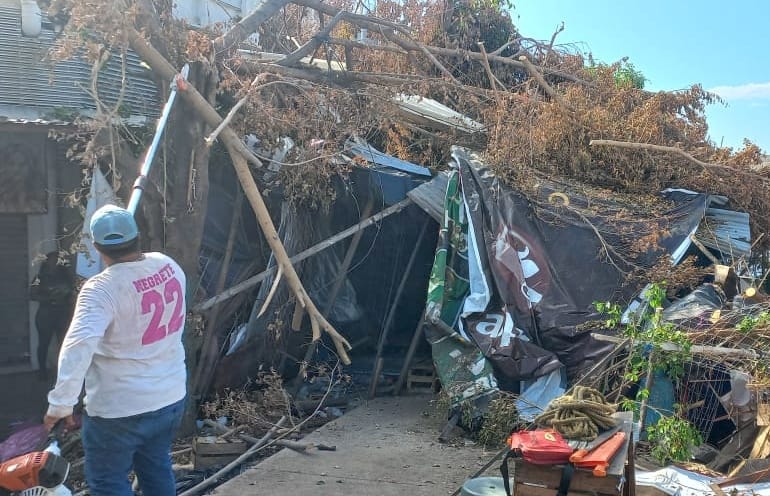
[(40, 473)]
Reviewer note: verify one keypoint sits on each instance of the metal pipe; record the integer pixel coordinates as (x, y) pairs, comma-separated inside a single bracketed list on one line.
[(144, 171)]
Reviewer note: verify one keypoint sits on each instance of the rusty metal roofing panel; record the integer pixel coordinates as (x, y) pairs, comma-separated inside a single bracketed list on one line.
[(29, 80)]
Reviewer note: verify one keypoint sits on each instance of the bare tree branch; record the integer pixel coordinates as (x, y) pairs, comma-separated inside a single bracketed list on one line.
[(553, 40), (676, 151), (503, 47), (357, 44), (535, 73), (247, 26), (492, 78), (229, 117), (233, 111), (331, 78), (314, 42)]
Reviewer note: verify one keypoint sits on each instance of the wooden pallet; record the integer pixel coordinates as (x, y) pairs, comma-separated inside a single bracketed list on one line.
[(208, 451)]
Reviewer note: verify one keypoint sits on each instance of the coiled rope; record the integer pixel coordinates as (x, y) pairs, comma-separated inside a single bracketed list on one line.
[(580, 415)]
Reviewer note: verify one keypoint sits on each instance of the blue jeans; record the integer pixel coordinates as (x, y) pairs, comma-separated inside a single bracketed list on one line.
[(114, 445)]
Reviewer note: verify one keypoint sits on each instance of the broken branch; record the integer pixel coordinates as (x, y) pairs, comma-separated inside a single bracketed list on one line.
[(329, 78), (503, 47), (229, 117), (674, 150), (535, 73), (493, 81), (297, 316), (559, 29), (246, 26), (435, 61), (282, 258), (314, 42), (273, 289), (165, 70)]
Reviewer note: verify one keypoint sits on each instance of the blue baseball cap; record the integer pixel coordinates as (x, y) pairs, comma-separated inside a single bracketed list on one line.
[(112, 225)]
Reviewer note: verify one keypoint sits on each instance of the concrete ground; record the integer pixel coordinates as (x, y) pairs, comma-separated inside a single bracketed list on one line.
[(386, 447)]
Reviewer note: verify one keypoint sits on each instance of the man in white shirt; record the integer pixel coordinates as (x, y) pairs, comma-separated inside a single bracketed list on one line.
[(125, 341)]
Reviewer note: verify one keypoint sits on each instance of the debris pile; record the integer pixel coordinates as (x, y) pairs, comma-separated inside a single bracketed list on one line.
[(562, 189)]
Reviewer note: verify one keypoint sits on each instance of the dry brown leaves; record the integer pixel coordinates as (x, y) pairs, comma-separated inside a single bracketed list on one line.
[(678, 279), (529, 132), (259, 405)]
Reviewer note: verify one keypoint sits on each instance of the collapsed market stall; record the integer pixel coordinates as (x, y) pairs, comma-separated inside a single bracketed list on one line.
[(538, 217)]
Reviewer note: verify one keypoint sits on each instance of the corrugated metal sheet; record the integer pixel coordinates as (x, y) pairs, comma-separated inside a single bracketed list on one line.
[(437, 113), (431, 196), (29, 81), (374, 156), (726, 231)]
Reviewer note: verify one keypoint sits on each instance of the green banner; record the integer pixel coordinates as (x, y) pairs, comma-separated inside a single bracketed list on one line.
[(464, 371)]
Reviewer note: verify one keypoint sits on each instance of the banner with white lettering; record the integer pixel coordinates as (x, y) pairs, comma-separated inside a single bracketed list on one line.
[(534, 264)]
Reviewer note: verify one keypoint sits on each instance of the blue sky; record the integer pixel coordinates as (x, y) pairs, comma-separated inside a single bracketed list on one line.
[(724, 46)]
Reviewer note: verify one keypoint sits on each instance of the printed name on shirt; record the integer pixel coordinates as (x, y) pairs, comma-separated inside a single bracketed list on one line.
[(158, 291), (147, 283)]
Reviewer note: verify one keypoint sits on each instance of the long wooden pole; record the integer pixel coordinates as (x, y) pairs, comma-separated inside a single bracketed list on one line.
[(235, 148), (318, 321), (165, 70), (256, 279), (676, 151)]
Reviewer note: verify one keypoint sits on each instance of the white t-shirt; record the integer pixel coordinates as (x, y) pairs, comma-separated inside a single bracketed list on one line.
[(125, 340)]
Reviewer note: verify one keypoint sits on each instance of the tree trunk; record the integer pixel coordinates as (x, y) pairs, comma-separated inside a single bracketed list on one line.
[(186, 174), (173, 209)]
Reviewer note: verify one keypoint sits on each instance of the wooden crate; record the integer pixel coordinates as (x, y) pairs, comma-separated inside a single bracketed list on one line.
[(421, 379), (532, 480), (537, 480), (208, 451)]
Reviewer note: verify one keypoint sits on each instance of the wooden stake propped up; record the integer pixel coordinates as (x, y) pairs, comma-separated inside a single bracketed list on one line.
[(239, 154)]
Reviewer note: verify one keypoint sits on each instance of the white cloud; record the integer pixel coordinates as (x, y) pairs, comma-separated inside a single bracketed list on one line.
[(749, 91)]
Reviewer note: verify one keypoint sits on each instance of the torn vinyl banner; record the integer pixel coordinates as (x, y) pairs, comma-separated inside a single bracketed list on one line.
[(517, 275)]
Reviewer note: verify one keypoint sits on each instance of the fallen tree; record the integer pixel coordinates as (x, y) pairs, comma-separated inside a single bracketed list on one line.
[(541, 107)]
